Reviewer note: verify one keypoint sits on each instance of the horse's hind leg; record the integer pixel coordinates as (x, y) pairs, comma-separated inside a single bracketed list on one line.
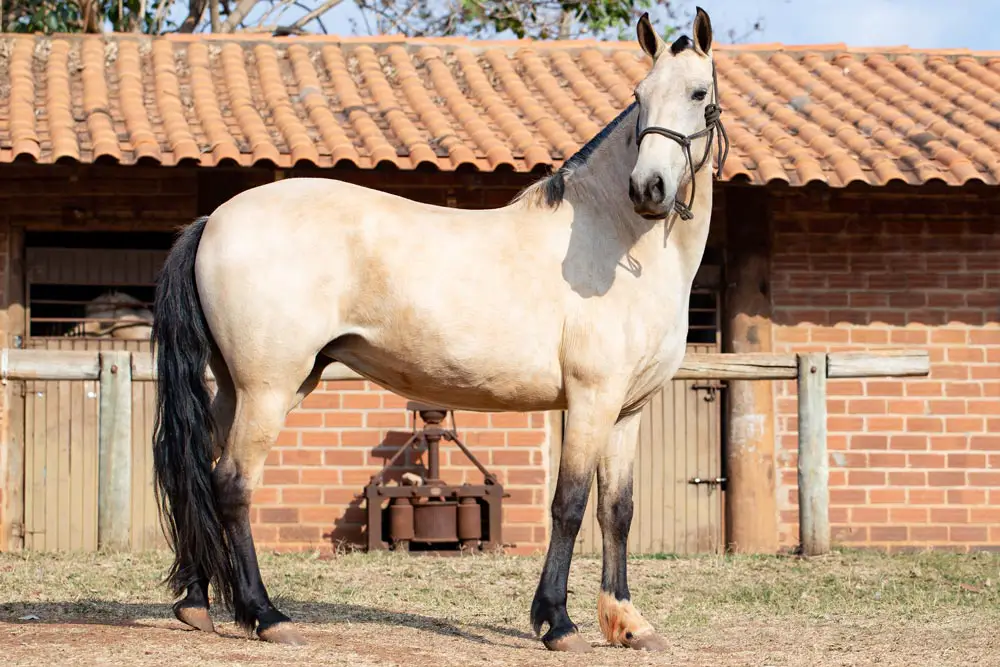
[(261, 407), (621, 623), (192, 609)]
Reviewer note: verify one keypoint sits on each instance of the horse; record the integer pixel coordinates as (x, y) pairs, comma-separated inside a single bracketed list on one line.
[(118, 315), (573, 297)]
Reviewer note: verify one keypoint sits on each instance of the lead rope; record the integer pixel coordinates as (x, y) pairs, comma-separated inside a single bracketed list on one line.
[(713, 122)]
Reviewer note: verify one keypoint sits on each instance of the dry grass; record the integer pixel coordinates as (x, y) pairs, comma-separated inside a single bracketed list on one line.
[(383, 609)]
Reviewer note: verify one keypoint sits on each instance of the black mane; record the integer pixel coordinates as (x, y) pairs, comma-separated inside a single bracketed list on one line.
[(553, 188)]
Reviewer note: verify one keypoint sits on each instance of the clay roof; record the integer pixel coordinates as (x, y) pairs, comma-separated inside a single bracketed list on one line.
[(794, 113)]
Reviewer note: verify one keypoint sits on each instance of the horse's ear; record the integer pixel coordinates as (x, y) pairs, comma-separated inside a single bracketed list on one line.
[(650, 42), (702, 32)]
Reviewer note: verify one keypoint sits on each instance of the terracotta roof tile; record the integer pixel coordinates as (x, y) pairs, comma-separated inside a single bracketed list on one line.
[(798, 114)]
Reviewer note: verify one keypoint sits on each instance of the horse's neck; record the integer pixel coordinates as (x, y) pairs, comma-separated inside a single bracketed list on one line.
[(599, 187)]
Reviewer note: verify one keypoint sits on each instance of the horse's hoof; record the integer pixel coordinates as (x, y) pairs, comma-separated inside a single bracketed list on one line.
[(196, 617), (571, 643), (649, 641), (281, 633)]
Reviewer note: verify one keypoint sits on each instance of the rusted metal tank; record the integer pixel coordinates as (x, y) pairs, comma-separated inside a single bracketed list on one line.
[(427, 514)]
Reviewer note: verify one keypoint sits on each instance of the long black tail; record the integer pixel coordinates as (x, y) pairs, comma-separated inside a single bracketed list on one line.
[(184, 428)]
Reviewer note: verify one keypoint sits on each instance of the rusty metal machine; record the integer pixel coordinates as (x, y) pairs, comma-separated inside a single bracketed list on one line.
[(426, 514)]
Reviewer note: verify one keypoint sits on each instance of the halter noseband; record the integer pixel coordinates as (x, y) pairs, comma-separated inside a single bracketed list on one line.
[(713, 122)]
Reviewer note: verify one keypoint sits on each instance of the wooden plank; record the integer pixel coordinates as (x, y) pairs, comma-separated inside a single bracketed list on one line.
[(52, 365), (813, 466), (114, 515), (732, 366), (884, 363), (90, 464), (64, 540)]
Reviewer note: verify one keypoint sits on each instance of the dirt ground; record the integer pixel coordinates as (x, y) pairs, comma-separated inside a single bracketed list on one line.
[(357, 609)]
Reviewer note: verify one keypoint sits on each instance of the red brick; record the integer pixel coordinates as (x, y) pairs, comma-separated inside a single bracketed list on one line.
[(949, 442), (967, 534), (966, 460), (966, 496), (361, 401), (984, 336), (518, 476), (320, 439), (299, 419), (869, 442), (523, 515), (321, 401), (385, 419), (847, 496), (511, 457), (278, 476), (886, 496), (991, 478), (488, 438), (908, 515), (343, 457), (356, 477), (963, 425), (299, 495), (885, 423), (279, 515), (945, 478), (908, 442), (926, 496), (340, 496), (509, 420), (866, 407), (888, 533), (949, 336), (986, 407), (360, 438), (869, 336), (265, 495), (989, 515), (886, 460), (320, 476), (845, 424), (893, 388), (925, 424), (325, 515), (307, 534), (966, 355), (301, 457), (869, 515), (343, 419), (907, 478), (949, 515), (966, 389), (865, 478), (928, 533), (924, 388), (526, 438), (287, 439)]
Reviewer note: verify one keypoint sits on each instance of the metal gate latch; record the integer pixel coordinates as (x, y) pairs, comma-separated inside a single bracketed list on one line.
[(710, 483), (711, 388)]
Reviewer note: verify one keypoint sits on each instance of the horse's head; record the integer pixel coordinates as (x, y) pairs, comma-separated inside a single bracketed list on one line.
[(677, 114)]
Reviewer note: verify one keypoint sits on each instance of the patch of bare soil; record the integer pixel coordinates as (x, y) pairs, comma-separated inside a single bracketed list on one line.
[(849, 609)]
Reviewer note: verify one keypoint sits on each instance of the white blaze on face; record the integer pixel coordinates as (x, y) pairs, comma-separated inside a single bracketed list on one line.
[(673, 96)]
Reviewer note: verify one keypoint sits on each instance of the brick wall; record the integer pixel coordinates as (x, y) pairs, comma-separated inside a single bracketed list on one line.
[(917, 462)]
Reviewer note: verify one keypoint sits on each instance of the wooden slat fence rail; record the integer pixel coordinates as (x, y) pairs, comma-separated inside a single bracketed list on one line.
[(115, 371)]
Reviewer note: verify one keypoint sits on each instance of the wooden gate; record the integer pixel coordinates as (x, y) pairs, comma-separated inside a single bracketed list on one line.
[(680, 440), (61, 418)]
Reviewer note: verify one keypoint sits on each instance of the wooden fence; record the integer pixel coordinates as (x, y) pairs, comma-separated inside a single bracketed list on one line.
[(117, 370)]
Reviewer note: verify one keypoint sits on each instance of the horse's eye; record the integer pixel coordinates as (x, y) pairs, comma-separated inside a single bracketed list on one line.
[(699, 95)]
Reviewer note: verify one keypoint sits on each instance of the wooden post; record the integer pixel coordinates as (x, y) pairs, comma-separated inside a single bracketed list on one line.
[(114, 496), (813, 468), (13, 511), (751, 511)]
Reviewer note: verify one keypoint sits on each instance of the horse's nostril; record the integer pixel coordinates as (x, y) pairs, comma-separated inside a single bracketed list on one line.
[(656, 189), (633, 194)]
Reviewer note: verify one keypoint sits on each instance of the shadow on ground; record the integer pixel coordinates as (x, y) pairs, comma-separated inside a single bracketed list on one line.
[(102, 612)]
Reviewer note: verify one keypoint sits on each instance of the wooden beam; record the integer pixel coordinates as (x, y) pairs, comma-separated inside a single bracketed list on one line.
[(114, 498), (86, 365), (813, 465), (751, 512)]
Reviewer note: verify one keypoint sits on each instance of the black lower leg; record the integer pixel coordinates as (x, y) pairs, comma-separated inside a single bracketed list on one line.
[(196, 595), (549, 604), (614, 514), (251, 604)]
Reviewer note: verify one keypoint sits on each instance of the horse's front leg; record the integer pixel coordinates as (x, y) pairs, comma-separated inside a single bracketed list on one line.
[(621, 623), (590, 417)]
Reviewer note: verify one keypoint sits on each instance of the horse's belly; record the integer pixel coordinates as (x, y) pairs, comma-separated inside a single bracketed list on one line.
[(485, 381)]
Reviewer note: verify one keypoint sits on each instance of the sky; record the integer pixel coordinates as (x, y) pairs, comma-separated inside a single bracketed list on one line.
[(916, 23)]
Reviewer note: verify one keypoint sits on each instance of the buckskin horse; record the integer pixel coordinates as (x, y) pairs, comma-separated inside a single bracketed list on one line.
[(594, 263)]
